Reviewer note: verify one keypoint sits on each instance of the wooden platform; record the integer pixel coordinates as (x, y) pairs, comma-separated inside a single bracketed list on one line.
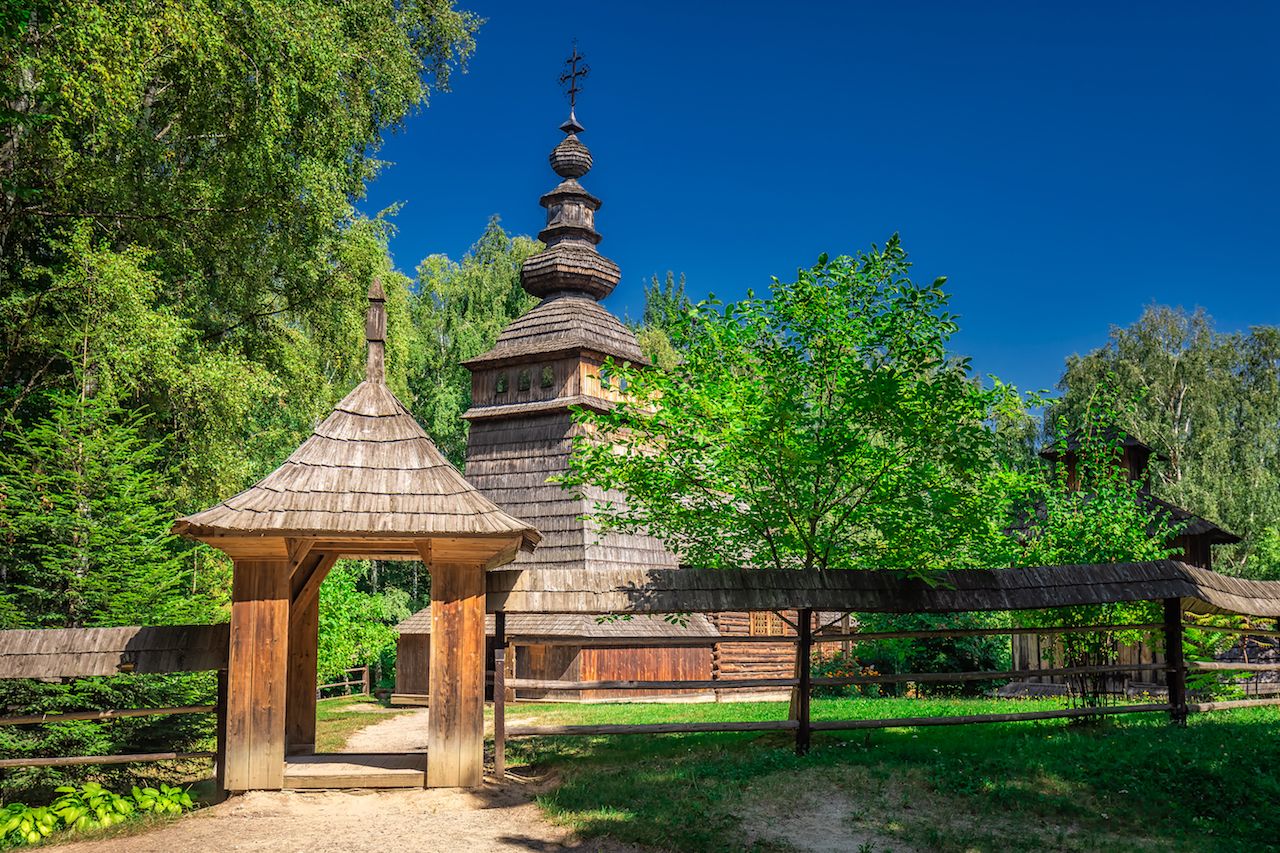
[(339, 770)]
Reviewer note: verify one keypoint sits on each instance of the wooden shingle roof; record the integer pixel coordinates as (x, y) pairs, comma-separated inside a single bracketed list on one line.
[(565, 322), (369, 471)]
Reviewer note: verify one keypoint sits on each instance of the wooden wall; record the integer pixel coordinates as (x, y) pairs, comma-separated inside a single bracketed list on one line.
[(751, 660), (413, 666), (561, 663), (637, 663)]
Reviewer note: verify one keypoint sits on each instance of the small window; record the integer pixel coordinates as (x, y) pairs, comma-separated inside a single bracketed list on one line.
[(500, 387), (523, 380), (548, 377), (765, 624)]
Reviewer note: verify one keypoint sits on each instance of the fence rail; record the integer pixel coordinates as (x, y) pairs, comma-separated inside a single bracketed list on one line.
[(1174, 665), (363, 682)]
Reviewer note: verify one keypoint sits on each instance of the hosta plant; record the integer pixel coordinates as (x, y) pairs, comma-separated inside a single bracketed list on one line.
[(165, 800)]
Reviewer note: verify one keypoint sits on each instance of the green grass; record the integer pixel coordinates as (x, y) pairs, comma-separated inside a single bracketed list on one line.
[(1131, 783), (339, 718)]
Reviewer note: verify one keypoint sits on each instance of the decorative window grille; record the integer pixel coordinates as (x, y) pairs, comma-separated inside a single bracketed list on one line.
[(765, 624)]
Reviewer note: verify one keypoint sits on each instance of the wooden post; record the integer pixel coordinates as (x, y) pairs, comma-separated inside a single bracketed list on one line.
[(499, 710), (300, 705), (367, 681), (1176, 663), (804, 652), (220, 735), (455, 726), (257, 671)]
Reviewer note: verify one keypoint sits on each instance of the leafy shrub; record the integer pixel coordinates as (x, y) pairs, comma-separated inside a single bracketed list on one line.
[(87, 807), (936, 654), (841, 665)]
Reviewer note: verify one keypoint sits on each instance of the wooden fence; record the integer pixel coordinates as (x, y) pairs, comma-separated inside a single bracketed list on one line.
[(1175, 665), (364, 682), (66, 653)]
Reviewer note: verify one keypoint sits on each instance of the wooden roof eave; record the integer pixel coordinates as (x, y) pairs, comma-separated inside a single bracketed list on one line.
[(491, 550)]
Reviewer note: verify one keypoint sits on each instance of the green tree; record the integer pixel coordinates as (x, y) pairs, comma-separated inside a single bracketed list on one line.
[(84, 520), (458, 309), (665, 305), (356, 626), (823, 427), (219, 151), (1211, 402)]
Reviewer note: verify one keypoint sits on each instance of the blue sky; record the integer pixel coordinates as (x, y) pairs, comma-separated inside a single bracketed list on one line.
[(1062, 164)]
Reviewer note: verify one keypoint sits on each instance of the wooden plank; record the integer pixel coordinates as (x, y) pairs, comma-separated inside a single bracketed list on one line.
[(77, 760), (355, 770), (960, 720), (499, 712), (1227, 666), (804, 669), (257, 674), (309, 589), (220, 740), (1247, 632), (455, 739), (1177, 668), (1227, 704), (300, 693), (652, 728), (31, 719)]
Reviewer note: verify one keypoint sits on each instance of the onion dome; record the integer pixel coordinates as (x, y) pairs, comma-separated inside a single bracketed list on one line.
[(570, 263)]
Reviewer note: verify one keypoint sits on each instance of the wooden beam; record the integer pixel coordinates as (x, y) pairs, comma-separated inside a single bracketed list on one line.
[(804, 690), (257, 674), (455, 727), (1177, 672), (32, 719), (309, 588), (78, 760), (300, 697)]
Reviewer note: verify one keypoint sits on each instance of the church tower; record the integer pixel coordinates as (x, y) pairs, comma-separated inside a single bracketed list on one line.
[(542, 364)]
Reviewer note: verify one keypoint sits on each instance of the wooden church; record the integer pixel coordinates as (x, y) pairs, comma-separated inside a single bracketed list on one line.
[(521, 436)]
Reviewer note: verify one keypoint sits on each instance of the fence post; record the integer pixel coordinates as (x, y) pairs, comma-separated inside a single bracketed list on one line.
[(804, 655), (1174, 659), (367, 681), (220, 735), (499, 712)]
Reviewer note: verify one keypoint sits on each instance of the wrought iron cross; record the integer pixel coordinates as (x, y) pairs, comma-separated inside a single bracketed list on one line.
[(574, 75)]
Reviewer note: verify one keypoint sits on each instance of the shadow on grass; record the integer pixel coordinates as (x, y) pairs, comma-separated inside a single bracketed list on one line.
[(1211, 786)]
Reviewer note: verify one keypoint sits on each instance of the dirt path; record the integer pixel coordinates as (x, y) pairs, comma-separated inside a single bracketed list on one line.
[(492, 818), (401, 733), (495, 817)]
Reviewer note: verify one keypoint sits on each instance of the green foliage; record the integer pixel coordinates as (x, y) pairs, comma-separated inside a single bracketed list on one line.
[(822, 427), (665, 305), (356, 627), (84, 518), (935, 654), (84, 808), (179, 732), (215, 157), (1093, 512), (458, 310), (1211, 402)]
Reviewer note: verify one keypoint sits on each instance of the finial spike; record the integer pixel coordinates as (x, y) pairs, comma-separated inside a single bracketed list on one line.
[(375, 333)]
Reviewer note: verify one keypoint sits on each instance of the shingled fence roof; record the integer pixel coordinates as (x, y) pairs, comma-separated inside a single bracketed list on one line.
[(710, 590)]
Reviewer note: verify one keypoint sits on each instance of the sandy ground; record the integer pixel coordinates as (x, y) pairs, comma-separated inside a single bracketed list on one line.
[(496, 817), (492, 818)]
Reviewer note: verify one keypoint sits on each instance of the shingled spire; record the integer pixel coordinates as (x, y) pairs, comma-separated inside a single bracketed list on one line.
[(375, 334), (570, 263)]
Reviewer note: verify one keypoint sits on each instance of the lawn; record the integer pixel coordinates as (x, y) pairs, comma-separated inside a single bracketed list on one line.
[(1130, 783)]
